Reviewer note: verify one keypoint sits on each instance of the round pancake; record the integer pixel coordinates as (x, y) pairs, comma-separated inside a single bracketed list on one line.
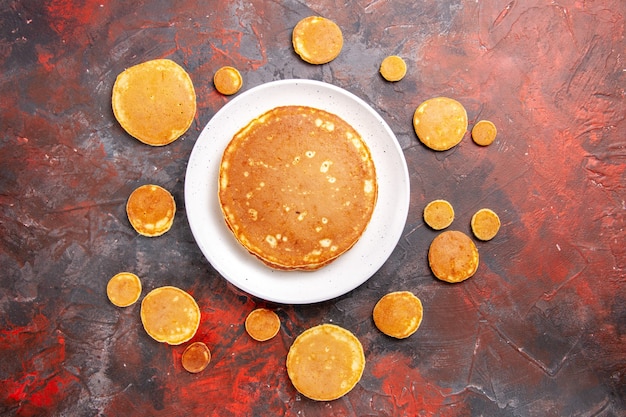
[(151, 210), (317, 40), (452, 256), (325, 362), (262, 324), (297, 187), (484, 133), (170, 315), (398, 314), (227, 80), (393, 68), (439, 214), (195, 357), (124, 289), (485, 224), (154, 101), (440, 123)]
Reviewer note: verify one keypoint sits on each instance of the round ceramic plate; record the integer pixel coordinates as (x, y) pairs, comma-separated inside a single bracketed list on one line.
[(244, 270)]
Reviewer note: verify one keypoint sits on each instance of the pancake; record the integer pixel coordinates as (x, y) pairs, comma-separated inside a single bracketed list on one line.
[(393, 68), (124, 289), (485, 224), (227, 80), (439, 214), (170, 315), (325, 362), (195, 357), (398, 314), (484, 133), (453, 257), (262, 324), (317, 40), (440, 123), (154, 101), (151, 210), (297, 187)]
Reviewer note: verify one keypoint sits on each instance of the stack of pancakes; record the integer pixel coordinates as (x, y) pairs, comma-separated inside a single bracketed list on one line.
[(297, 187)]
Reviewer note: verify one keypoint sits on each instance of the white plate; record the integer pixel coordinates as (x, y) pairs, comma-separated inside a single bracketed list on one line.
[(352, 268)]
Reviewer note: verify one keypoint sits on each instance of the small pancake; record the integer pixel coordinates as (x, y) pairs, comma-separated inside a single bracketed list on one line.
[(154, 101), (262, 324), (439, 214), (325, 362), (170, 315), (393, 68), (453, 257), (317, 40), (227, 80), (440, 123), (398, 314), (484, 133), (196, 357), (297, 187), (124, 289), (485, 224), (151, 210)]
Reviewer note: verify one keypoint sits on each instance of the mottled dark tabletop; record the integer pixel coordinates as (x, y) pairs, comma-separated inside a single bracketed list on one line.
[(540, 330)]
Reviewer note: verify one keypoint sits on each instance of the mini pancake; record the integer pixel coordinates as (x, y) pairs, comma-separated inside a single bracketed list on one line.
[(170, 315), (485, 224), (453, 257), (393, 68), (484, 133), (297, 187), (440, 123), (124, 289), (439, 214), (195, 357), (150, 210), (262, 324), (325, 362), (398, 314), (227, 80), (154, 101), (317, 40)]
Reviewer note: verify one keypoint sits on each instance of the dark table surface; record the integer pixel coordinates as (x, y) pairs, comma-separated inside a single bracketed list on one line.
[(540, 330)]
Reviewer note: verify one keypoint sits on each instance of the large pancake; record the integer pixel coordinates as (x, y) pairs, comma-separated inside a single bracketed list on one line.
[(297, 187), (325, 362), (154, 101)]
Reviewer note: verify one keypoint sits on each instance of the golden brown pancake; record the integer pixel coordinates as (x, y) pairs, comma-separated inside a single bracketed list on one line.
[(262, 324), (440, 123), (227, 80), (170, 315), (325, 362), (485, 224), (398, 314), (452, 256), (297, 187), (151, 210), (439, 214), (317, 40), (154, 101), (393, 68), (195, 357), (124, 289), (484, 133)]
